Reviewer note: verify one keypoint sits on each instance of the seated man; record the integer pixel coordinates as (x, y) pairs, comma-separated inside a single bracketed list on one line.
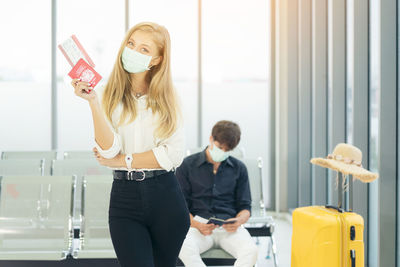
[(216, 185)]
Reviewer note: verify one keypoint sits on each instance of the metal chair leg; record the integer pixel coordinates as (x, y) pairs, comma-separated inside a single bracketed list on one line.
[(274, 251), (269, 249)]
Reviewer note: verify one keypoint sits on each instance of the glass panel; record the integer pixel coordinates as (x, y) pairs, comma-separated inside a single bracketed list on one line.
[(374, 127), (25, 75), (183, 29), (235, 72), (349, 69), (398, 134), (100, 31)]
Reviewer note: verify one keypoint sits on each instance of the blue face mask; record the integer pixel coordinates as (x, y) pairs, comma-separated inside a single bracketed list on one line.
[(135, 62), (218, 154)]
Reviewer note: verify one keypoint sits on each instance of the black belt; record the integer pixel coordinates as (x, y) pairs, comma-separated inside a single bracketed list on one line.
[(136, 175)]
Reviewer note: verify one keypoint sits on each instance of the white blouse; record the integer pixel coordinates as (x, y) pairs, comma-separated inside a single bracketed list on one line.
[(137, 136)]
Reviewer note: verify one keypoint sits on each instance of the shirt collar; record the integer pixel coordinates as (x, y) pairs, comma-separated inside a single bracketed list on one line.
[(203, 158)]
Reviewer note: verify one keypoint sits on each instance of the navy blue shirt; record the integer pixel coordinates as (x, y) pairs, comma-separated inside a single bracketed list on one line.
[(222, 195)]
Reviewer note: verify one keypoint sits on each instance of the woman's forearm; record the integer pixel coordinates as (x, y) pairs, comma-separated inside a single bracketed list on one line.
[(102, 132), (145, 160)]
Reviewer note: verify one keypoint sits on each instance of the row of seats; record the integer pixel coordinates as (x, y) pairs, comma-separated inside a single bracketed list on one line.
[(53, 196), (82, 154), (40, 210), (36, 217), (47, 158)]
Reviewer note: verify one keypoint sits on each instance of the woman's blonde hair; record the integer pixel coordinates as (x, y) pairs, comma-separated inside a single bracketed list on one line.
[(162, 98)]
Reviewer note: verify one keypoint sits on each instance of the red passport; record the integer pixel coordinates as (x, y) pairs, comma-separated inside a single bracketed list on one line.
[(82, 70)]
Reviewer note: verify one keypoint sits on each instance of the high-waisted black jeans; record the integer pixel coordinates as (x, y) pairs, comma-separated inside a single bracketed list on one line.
[(148, 221)]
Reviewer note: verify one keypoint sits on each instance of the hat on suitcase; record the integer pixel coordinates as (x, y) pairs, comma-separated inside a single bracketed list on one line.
[(346, 159)]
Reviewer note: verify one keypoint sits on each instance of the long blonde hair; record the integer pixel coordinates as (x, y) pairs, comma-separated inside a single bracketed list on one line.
[(162, 98)]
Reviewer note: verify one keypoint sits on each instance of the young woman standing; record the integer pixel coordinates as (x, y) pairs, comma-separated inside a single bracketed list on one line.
[(139, 134)]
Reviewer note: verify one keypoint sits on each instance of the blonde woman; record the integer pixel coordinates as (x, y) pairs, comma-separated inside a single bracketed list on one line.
[(139, 134)]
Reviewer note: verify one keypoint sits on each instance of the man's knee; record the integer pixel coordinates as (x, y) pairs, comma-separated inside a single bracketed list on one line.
[(190, 244), (189, 247), (250, 250)]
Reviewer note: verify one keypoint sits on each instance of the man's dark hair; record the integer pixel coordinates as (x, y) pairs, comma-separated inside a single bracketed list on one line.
[(226, 133)]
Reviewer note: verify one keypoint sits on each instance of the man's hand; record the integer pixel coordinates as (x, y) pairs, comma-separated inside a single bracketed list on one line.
[(117, 161), (232, 227), (205, 229)]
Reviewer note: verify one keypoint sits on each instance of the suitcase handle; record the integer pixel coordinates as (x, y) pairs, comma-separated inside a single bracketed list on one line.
[(335, 208), (340, 193)]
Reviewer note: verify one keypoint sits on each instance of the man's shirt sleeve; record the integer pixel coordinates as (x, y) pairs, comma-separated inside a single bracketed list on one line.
[(243, 196), (182, 174)]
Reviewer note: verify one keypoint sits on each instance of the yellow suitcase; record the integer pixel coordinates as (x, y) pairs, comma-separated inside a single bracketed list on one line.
[(328, 236), (324, 237)]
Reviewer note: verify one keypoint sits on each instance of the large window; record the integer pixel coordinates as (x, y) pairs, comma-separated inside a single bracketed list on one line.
[(100, 31), (235, 60), (25, 75), (234, 63), (180, 18)]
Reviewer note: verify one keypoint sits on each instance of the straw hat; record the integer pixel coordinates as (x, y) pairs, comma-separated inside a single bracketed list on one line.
[(347, 160)]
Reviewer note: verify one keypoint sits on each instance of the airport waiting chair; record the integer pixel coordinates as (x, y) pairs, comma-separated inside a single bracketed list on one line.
[(78, 167), (237, 152), (79, 154), (259, 224), (95, 240), (35, 216), (47, 155), (22, 167)]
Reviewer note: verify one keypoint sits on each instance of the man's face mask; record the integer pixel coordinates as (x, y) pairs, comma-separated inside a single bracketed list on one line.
[(218, 154)]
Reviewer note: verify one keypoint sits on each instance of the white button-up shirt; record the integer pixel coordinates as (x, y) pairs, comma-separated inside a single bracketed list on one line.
[(138, 137)]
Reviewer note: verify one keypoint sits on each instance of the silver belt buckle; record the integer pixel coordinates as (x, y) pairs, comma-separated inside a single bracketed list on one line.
[(130, 176), (144, 176)]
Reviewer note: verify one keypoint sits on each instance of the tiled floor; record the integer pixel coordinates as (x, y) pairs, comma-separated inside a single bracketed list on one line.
[(283, 236)]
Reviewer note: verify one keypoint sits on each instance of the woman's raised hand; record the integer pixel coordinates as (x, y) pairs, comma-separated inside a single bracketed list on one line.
[(84, 90)]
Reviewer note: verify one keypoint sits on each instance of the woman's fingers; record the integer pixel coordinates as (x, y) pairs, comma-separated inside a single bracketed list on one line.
[(83, 89), (96, 154), (74, 82), (81, 85), (86, 86)]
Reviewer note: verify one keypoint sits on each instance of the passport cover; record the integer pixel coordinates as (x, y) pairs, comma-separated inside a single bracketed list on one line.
[(85, 72)]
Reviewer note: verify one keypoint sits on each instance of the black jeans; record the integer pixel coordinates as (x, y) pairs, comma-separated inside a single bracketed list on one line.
[(148, 221)]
